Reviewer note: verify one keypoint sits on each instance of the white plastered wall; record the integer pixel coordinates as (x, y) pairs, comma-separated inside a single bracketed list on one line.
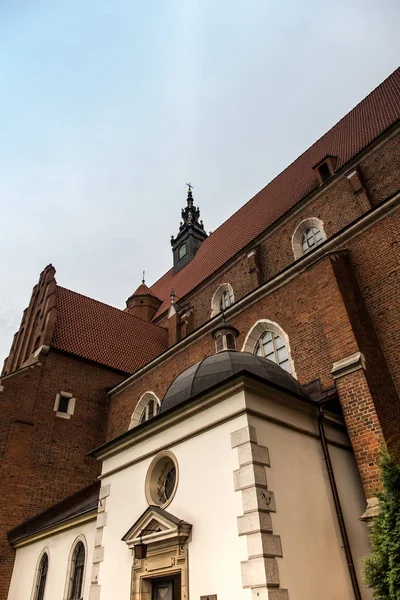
[(313, 565), (205, 497), (58, 547)]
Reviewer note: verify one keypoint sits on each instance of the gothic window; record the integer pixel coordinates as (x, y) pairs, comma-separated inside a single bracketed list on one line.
[(147, 407), (149, 410), (269, 340), (308, 235), (77, 569), (41, 577), (271, 346), (222, 299), (310, 239)]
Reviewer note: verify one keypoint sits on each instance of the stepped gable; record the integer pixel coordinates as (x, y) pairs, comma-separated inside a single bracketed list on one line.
[(352, 134), (104, 334)]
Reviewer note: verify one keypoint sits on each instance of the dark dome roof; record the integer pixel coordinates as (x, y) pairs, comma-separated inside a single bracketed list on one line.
[(218, 368)]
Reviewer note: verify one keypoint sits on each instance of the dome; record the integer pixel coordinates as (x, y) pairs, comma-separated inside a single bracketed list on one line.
[(218, 368)]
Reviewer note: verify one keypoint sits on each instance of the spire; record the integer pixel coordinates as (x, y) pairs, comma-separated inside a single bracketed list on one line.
[(191, 233)]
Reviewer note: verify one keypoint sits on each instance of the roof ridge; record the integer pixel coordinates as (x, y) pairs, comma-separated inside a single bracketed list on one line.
[(298, 157), (119, 310)]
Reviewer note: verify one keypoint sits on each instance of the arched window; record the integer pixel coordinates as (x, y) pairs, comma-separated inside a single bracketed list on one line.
[(308, 235), (268, 339), (41, 576), (222, 299), (77, 570), (310, 239), (271, 346), (147, 408)]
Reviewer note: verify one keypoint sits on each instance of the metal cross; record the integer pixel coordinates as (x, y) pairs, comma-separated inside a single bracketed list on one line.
[(189, 186)]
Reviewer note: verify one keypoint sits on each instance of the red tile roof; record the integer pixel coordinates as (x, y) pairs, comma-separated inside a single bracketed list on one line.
[(143, 290), (104, 334), (367, 121)]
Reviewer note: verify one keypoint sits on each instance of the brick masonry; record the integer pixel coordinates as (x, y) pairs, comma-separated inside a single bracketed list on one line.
[(346, 302)]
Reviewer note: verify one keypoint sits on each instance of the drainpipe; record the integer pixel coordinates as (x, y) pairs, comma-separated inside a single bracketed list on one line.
[(338, 508)]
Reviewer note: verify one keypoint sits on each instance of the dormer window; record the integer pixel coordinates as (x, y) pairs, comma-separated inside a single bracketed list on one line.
[(325, 168), (324, 171), (182, 251)]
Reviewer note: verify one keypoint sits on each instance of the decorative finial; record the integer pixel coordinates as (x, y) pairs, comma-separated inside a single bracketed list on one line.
[(172, 296), (190, 187), (143, 276)]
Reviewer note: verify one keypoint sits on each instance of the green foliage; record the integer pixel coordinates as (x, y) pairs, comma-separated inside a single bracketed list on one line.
[(382, 566)]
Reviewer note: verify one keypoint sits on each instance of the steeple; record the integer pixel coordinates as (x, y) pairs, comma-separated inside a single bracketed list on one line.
[(191, 233)]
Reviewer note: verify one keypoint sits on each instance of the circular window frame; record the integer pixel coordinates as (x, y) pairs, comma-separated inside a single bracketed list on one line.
[(151, 478)]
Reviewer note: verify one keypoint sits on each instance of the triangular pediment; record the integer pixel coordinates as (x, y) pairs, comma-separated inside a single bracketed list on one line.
[(156, 524)]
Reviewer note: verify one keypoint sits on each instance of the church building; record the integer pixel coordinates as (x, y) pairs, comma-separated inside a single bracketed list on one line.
[(219, 437)]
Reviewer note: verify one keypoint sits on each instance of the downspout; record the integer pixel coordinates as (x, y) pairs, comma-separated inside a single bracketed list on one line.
[(338, 508)]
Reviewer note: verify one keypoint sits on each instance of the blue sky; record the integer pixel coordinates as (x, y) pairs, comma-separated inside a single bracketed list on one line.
[(108, 108)]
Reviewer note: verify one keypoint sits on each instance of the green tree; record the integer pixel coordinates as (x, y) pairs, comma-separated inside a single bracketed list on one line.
[(382, 566)]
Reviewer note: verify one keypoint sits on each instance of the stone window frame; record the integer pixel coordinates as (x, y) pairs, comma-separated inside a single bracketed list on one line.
[(299, 232), (140, 407), (71, 405), (35, 590), (258, 329), (71, 564), (148, 481), (215, 301)]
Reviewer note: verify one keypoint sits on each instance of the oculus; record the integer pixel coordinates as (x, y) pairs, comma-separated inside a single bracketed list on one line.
[(162, 479)]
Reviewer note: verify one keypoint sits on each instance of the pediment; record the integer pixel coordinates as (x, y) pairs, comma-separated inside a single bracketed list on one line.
[(157, 525)]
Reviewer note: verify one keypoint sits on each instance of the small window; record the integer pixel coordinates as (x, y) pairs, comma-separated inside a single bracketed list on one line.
[(219, 343), (149, 411), (324, 171), (310, 239), (41, 577), (78, 567), (182, 251), (63, 404), (230, 342), (270, 345)]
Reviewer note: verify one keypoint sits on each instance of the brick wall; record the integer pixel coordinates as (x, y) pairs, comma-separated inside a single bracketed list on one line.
[(336, 205), (44, 457)]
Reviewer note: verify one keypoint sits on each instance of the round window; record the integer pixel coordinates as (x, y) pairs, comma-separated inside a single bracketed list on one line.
[(162, 479)]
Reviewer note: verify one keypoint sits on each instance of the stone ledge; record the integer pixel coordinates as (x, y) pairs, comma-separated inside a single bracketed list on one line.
[(347, 365)]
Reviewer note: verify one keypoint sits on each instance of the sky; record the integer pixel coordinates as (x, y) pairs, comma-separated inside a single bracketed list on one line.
[(107, 109)]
